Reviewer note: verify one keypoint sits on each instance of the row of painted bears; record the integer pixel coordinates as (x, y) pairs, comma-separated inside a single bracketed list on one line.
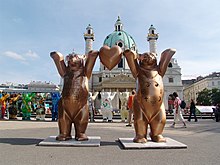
[(148, 102), (27, 103), (107, 108)]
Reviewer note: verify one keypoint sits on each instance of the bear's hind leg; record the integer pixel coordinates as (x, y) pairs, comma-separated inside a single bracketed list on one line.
[(140, 124), (141, 131), (80, 124), (157, 126), (65, 124)]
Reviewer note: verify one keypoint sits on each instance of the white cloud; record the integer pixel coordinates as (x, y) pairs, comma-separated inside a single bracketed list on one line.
[(32, 54), (14, 55)]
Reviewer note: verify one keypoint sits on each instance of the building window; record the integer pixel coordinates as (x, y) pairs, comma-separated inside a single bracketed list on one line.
[(213, 83), (119, 28), (100, 79), (170, 80), (120, 44), (170, 65), (133, 47), (120, 65)]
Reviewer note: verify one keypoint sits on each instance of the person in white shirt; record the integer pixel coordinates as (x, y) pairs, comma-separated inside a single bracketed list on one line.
[(177, 111)]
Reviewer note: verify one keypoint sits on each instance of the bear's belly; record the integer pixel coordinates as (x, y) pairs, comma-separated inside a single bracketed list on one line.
[(74, 96), (77, 88), (150, 97), (73, 106)]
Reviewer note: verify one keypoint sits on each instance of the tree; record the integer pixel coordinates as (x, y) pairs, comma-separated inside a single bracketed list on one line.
[(204, 97), (215, 96), (208, 97)]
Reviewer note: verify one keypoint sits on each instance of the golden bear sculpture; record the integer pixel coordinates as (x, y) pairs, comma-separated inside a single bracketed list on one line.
[(73, 106), (148, 102)]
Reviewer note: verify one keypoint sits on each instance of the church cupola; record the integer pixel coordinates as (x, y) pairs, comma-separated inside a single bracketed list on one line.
[(118, 25), (122, 39)]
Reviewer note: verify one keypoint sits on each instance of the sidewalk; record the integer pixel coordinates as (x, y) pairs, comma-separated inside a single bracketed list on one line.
[(19, 139)]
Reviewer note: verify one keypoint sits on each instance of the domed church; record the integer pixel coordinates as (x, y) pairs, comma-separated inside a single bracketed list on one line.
[(120, 78)]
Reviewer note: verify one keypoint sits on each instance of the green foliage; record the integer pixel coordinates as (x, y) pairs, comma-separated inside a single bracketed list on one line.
[(208, 97), (204, 97), (215, 96)]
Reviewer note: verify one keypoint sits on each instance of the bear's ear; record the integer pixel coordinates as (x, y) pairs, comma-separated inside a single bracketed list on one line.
[(154, 54), (140, 57)]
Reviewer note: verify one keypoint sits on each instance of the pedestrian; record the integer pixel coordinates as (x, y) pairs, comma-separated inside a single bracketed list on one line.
[(130, 107), (177, 111), (91, 99), (217, 112), (192, 111)]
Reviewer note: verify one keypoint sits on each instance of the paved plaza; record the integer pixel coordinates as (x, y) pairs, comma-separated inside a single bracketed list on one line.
[(19, 145)]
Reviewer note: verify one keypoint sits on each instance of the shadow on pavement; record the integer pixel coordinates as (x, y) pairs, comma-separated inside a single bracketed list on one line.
[(20, 141), (107, 143)]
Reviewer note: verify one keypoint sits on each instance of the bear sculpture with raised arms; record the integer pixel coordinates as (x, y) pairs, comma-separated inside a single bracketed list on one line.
[(148, 103), (73, 106)]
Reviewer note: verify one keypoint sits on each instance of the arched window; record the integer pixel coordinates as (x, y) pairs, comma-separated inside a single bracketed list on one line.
[(119, 27), (170, 65)]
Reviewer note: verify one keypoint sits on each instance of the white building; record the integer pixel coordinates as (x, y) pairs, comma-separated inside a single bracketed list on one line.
[(42, 87), (120, 77), (172, 79), (33, 86), (209, 82)]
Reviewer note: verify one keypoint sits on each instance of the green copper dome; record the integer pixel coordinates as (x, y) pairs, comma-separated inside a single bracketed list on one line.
[(120, 37)]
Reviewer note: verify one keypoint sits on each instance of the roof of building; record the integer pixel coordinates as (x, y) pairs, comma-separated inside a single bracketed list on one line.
[(120, 37), (199, 78)]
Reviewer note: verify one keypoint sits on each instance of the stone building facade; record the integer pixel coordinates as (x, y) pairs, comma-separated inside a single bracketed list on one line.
[(192, 89), (120, 78)]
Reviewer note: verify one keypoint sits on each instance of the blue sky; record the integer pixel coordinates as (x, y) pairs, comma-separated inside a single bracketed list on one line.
[(31, 29)]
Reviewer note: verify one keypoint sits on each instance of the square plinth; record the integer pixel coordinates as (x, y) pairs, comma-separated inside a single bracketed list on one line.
[(94, 141), (128, 143)]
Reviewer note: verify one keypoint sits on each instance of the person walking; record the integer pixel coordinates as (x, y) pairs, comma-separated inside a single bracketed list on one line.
[(217, 112), (192, 111), (177, 111), (130, 107)]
